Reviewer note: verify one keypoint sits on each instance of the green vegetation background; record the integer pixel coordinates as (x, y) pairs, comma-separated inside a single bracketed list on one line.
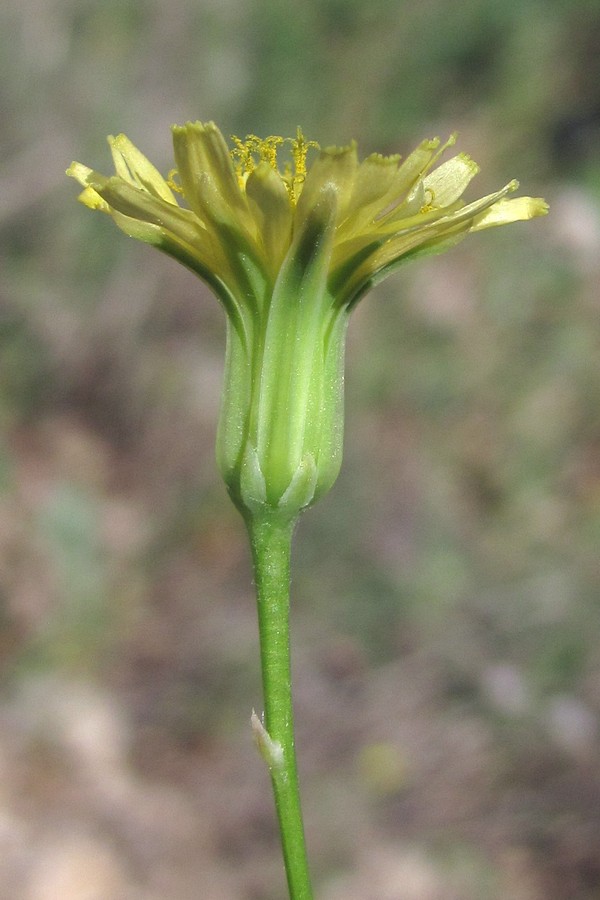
[(446, 594)]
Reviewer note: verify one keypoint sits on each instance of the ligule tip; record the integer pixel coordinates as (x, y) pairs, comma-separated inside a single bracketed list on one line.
[(78, 171)]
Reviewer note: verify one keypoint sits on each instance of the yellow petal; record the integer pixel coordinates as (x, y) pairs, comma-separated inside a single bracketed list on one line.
[(373, 185), (436, 219), (335, 167), (408, 194), (79, 172), (89, 197), (132, 166), (415, 165), (375, 177), (271, 205), (448, 182), (138, 204), (201, 150), (506, 211)]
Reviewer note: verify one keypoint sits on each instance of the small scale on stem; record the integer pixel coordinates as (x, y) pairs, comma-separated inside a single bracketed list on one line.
[(271, 751)]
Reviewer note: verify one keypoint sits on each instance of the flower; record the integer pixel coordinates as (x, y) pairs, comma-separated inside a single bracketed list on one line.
[(288, 252)]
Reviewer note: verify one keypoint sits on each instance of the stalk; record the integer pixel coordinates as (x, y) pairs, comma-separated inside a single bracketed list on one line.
[(271, 540)]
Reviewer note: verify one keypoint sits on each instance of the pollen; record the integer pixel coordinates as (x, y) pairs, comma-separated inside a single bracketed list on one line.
[(300, 148), (174, 185), (249, 152), (428, 205)]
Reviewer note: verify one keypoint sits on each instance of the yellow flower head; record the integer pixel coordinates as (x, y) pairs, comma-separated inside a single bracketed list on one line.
[(381, 210), (289, 236)]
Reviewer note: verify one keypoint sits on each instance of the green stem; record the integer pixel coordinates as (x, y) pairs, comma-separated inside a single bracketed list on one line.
[(271, 540)]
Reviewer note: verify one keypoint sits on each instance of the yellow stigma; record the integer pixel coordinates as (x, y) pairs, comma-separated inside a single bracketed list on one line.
[(247, 153)]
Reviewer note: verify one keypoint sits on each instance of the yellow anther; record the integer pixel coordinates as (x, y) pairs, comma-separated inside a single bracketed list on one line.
[(174, 185), (268, 149), (247, 153), (242, 158), (429, 198), (300, 148), (251, 145)]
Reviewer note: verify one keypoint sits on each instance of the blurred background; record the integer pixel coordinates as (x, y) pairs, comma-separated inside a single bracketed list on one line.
[(446, 623)]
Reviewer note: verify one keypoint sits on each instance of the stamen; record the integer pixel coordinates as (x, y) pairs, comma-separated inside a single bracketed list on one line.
[(300, 148), (174, 185), (248, 152), (268, 149), (429, 198), (241, 155)]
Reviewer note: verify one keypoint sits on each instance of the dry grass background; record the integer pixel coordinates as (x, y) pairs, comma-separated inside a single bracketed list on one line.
[(446, 618)]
